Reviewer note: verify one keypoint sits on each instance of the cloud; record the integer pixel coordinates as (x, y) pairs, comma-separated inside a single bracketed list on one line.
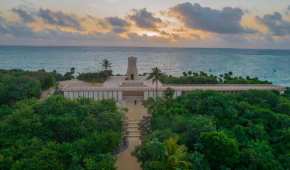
[(56, 18), (118, 25), (59, 18), (275, 23), (15, 32), (225, 21), (24, 15), (3, 26), (15, 29), (144, 19), (188, 24)]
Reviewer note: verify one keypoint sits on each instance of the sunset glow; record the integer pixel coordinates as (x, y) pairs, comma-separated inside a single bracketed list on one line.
[(171, 24)]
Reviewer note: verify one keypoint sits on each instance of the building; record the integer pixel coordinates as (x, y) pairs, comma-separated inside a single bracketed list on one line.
[(133, 87), (132, 72)]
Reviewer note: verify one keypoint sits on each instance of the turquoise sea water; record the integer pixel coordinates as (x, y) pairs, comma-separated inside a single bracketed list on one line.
[(273, 65)]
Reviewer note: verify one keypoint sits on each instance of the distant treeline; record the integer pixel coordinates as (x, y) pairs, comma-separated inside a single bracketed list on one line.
[(205, 78), (19, 84), (96, 77)]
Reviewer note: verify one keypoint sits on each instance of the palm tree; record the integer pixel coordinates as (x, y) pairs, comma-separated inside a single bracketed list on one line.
[(184, 74), (106, 64), (168, 93), (176, 155), (72, 70), (155, 76)]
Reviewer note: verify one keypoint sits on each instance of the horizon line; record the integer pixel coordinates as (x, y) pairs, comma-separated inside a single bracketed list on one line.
[(104, 46)]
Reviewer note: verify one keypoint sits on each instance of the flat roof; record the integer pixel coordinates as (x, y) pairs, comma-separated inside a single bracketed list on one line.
[(114, 84)]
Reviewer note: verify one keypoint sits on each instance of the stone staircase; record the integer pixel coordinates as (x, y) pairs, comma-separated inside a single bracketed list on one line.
[(132, 132)]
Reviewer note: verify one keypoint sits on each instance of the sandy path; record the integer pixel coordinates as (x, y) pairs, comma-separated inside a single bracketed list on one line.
[(126, 161), (45, 94)]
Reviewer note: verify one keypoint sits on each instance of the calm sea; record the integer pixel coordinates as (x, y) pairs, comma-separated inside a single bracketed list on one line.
[(273, 65)]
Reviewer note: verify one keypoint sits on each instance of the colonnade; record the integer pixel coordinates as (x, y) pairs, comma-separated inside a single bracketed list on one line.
[(116, 95), (96, 95), (152, 94)]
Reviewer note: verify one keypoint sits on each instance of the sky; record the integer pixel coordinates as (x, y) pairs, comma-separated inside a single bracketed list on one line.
[(156, 23)]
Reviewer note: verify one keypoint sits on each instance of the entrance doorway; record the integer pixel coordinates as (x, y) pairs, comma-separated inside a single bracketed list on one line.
[(132, 76)]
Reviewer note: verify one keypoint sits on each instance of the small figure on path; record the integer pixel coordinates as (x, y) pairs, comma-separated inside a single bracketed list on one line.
[(135, 102)]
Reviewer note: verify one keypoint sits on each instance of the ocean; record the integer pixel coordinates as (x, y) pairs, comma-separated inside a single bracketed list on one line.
[(272, 65)]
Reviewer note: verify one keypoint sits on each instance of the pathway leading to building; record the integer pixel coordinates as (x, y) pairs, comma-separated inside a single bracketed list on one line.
[(45, 94), (134, 115)]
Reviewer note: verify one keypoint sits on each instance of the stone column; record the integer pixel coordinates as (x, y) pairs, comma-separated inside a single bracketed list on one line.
[(178, 93), (146, 95), (120, 96)]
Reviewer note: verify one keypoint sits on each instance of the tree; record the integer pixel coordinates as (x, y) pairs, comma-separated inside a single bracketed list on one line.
[(100, 162), (220, 149), (155, 76), (69, 75), (14, 88), (198, 161), (106, 64), (247, 130), (176, 155), (184, 74), (169, 93), (169, 155), (60, 134), (72, 70), (258, 155), (189, 73)]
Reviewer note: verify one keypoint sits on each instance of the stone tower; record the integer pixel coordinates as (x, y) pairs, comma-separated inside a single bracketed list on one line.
[(132, 68)]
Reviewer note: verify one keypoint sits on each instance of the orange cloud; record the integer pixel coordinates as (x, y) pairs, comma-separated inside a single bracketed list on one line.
[(252, 23), (172, 26)]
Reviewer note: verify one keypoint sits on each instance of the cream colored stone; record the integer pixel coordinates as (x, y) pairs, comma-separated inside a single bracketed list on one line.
[(132, 71)]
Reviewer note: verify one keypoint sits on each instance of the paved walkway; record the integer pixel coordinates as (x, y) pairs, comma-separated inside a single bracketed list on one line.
[(45, 94), (126, 161)]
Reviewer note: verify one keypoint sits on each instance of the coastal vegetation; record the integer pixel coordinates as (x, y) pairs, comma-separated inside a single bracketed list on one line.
[(46, 79), (212, 130), (67, 76), (98, 77), (199, 130), (59, 134), (205, 78), (56, 133), (106, 64), (155, 76), (17, 85)]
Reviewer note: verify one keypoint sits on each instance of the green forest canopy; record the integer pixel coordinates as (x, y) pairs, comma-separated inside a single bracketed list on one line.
[(60, 134), (201, 130), (211, 130)]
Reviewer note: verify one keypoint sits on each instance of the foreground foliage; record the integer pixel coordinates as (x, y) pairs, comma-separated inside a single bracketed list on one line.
[(211, 130), (59, 134)]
